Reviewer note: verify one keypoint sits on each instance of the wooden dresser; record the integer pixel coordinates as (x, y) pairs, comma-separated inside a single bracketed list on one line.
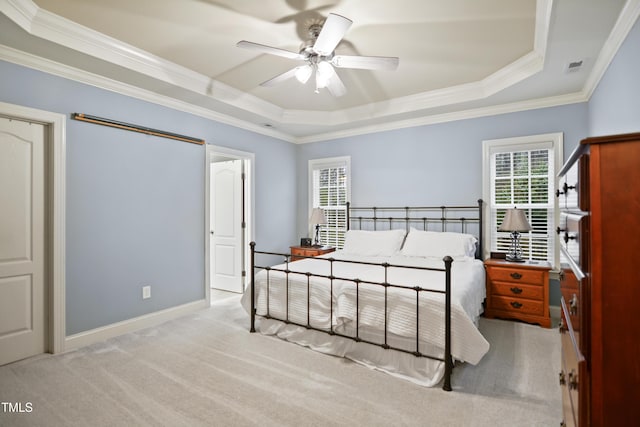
[(298, 252), (599, 238), (518, 291)]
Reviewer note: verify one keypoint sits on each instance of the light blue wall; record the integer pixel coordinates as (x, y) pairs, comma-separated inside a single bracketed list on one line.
[(135, 203), (614, 107), (436, 164), (442, 163)]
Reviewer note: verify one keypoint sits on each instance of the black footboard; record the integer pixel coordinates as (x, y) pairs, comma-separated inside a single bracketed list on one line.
[(461, 219), (385, 285)]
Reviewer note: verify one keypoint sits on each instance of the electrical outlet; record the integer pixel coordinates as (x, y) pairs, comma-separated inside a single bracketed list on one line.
[(146, 292)]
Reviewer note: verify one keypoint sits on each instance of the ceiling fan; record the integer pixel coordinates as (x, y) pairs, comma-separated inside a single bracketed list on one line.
[(319, 54)]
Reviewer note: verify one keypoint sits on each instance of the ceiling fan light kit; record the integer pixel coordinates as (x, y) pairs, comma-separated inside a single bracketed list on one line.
[(303, 73), (319, 53), (324, 73)]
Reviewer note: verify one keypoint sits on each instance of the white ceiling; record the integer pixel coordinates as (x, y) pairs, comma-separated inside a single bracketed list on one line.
[(458, 58)]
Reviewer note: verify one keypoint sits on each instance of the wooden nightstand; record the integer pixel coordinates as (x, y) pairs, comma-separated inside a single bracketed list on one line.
[(298, 252), (518, 291)]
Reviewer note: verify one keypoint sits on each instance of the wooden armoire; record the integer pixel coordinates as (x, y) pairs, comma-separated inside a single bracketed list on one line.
[(599, 237)]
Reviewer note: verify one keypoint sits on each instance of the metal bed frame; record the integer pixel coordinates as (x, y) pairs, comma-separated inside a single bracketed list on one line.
[(429, 216)]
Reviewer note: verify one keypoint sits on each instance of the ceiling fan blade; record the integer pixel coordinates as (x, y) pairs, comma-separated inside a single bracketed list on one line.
[(280, 78), (333, 30), (270, 50), (366, 62), (335, 86)]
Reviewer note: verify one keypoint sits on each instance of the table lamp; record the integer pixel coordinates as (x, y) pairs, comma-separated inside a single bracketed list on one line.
[(516, 222), (317, 218)]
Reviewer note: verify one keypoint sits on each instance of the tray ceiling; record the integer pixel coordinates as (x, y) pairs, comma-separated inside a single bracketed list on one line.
[(459, 58)]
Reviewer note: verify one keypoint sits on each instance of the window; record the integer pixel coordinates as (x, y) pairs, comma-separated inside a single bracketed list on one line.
[(521, 172), (329, 190)]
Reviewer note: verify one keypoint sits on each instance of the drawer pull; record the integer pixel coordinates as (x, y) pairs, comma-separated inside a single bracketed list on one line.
[(516, 290), (566, 187), (515, 304), (562, 378), (573, 305), (573, 380), (516, 275), (566, 236)]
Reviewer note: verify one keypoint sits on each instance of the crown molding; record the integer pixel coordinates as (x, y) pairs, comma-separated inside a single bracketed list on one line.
[(533, 104), (513, 73), (18, 57), (543, 23), (44, 24), (524, 67), (45, 65), (49, 26), (20, 11), (627, 18)]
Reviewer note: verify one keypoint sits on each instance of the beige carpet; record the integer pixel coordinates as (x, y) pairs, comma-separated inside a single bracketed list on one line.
[(205, 369)]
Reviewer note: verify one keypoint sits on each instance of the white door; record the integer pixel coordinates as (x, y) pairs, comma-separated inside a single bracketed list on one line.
[(22, 293), (226, 226)]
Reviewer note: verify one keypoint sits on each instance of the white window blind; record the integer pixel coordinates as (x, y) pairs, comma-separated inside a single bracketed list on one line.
[(329, 190), (521, 173)]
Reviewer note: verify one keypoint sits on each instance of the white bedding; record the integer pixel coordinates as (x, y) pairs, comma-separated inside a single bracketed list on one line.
[(468, 292)]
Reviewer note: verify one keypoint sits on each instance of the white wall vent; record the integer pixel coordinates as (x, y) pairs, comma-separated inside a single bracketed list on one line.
[(574, 66)]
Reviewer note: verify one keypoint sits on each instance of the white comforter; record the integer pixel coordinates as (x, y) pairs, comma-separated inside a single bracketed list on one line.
[(468, 292), (337, 309)]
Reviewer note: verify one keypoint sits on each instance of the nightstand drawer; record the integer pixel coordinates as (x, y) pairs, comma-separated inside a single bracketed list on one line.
[(303, 252), (299, 252), (518, 305), (519, 275), (518, 290)]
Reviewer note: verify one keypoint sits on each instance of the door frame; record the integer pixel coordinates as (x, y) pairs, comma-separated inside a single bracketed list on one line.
[(249, 207), (55, 214)]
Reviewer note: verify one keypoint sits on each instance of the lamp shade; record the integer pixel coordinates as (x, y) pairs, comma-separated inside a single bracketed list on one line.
[(515, 220), (324, 72), (317, 217), (303, 73)]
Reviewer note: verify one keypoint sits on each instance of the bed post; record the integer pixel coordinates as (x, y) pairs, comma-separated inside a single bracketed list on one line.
[(348, 215), (480, 253), (253, 287), (448, 361)]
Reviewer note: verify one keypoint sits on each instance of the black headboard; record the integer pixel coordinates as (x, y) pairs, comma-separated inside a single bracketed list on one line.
[(461, 219)]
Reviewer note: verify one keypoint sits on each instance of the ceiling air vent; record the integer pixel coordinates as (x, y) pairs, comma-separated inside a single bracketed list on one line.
[(574, 66)]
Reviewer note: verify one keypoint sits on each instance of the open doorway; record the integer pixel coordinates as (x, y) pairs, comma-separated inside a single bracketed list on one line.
[(229, 220)]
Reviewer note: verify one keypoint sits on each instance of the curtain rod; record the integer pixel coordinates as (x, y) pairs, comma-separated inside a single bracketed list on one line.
[(135, 128)]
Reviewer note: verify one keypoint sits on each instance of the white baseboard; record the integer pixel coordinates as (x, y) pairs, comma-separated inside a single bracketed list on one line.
[(102, 333)]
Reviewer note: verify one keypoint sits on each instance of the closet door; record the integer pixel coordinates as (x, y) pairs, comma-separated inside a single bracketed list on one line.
[(22, 290)]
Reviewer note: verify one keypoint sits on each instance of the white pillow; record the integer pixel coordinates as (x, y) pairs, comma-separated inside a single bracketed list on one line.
[(439, 244), (373, 243)]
